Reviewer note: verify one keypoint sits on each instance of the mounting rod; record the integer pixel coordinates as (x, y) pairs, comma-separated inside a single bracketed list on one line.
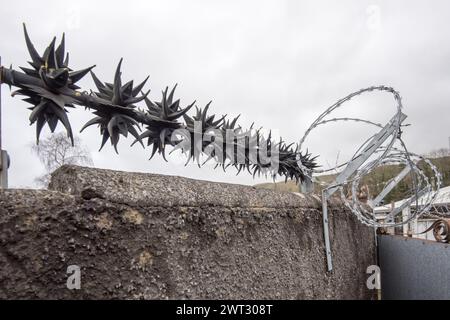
[(4, 161)]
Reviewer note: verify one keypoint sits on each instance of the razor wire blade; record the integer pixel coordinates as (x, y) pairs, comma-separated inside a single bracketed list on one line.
[(384, 147)]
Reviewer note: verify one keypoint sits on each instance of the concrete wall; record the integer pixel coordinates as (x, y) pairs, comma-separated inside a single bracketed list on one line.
[(156, 237)]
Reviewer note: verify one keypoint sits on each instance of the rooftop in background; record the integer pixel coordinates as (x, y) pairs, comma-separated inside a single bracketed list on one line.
[(442, 198)]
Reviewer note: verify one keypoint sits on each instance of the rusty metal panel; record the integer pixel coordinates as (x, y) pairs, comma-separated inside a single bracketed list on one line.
[(414, 268)]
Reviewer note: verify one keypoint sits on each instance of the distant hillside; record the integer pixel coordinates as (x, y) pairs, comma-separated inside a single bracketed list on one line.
[(375, 180)]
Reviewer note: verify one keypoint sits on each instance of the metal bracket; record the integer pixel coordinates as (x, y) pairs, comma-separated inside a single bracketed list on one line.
[(326, 230), (4, 165), (352, 166), (4, 159), (391, 185), (307, 185)]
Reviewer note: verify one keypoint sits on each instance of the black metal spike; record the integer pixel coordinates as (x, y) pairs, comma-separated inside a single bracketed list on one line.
[(66, 61), (97, 81), (60, 52), (170, 99), (75, 76), (49, 55), (39, 125), (136, 99), (37, 60), (139, 87), (104, 139), (91, 122), (117, 98)]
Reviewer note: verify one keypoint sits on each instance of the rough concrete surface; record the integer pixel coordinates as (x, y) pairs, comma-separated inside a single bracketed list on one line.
[(145, 236)]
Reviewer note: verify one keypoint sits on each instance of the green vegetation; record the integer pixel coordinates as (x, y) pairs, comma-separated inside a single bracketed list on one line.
[(377, 179)]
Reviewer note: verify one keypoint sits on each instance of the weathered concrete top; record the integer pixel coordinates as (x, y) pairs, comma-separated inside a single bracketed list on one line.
[(159, 190), (146, 236)]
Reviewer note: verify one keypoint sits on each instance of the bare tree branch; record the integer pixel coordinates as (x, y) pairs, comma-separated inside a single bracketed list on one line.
[(57, 150)]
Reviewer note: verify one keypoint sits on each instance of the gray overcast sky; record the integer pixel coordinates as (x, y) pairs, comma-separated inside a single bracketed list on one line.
[(278, 63)]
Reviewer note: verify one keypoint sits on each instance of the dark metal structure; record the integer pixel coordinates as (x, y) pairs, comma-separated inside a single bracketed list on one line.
[(50, 87), (441, 230), (413, 268)]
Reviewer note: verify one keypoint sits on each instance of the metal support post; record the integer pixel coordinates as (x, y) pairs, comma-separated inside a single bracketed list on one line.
[(4, 160)]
